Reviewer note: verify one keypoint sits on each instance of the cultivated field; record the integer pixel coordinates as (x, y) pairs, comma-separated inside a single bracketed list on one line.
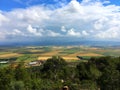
[(8, 55), (67, 52)]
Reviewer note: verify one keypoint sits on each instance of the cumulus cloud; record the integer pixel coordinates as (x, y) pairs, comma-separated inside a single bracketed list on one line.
[(112, 33), (89, 18), (85, 33), (63, 29), (41, 32), (3, 19), (72, 32), (52, 34), (33, 31)]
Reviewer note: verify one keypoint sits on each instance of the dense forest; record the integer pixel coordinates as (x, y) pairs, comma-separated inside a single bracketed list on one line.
[(101, 73)]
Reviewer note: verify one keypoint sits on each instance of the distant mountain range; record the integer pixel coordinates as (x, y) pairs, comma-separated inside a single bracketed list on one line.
[(63, 43)]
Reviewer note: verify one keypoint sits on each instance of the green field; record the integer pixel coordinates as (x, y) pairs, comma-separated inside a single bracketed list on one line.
[(69, 53)]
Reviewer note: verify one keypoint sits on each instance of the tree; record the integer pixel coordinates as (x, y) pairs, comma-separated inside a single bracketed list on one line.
[(53, 67), (110, 79), (82, 69), (17, 85), (5, 79), (21, 73)]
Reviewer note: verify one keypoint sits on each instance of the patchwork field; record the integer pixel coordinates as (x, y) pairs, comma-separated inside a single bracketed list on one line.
[(67, 52)]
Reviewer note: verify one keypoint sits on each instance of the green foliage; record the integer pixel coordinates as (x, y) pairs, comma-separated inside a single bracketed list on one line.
[(21, 72), (27, 57), (98, 73), (54, 67), (17, 85), (5, 79), (89, 85), (104, 71), (110, 79), (83, 71)]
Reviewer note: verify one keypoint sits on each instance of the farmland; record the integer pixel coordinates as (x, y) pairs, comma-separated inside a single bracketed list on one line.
[(67, 52)]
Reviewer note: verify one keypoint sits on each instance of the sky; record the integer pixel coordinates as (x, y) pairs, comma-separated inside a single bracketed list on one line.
[(59, 20)]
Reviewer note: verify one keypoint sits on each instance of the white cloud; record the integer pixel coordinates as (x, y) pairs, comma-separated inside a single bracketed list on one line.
[(111, 33), (41, 32), (74, 7), (63, 29), (17, 32), (52, 34), (2, 36), (85, 33), (33, 31), (72, 32), (3, 19), (90, 18), (106, 2), (100, 23)]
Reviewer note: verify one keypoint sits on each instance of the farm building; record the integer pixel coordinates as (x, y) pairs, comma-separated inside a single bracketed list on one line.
[(4, 62), (35, 63)]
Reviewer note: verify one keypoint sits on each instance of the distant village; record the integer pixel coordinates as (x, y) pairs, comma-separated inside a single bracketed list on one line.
[(29, 64)]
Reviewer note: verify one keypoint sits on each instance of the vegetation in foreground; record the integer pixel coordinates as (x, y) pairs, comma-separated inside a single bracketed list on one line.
[(98, 73)]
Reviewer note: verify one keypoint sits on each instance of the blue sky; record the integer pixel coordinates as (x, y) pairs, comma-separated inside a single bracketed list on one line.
[(40, 20), (7, 5)]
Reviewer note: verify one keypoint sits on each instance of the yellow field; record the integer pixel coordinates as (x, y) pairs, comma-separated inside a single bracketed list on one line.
[(43, 58), (10, 55), (64, 57), (70, 58), (85, 54), (36, 50)]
